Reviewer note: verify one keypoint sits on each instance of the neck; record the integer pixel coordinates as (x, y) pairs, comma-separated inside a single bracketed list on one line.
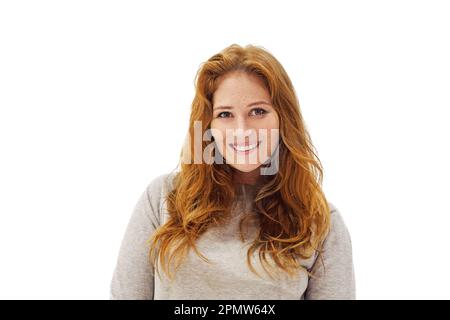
[(252, 177)]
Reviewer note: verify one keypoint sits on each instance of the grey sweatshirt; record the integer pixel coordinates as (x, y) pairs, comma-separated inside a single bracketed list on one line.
[(228, 276)]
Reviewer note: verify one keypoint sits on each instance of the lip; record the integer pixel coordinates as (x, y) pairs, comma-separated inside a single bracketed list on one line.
[(243, 146)]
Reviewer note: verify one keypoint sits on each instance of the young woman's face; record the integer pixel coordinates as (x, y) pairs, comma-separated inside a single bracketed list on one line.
[(245, 124)]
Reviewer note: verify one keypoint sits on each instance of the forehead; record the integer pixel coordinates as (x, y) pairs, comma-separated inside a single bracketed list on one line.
[(240, 88)]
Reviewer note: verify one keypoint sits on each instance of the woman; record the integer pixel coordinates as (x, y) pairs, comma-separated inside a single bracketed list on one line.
[(245, 216)]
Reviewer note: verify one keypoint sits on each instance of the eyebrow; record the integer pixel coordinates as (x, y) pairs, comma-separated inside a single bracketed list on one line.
[(249, 105)]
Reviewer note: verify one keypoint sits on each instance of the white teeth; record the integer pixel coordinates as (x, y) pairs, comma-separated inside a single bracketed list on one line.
[(246, 148)]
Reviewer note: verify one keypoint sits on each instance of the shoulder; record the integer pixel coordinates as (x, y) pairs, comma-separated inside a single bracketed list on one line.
[(161, 184), (337, 218), (338, 234), (332, 275), (337, 243), (156, 192)]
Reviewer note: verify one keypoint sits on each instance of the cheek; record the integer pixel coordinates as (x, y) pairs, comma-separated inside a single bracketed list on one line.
[(218, 135), (270, 122), (274, 121), (271, 127)]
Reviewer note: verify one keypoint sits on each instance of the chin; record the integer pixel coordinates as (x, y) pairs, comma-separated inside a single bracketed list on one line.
[(245, 167)]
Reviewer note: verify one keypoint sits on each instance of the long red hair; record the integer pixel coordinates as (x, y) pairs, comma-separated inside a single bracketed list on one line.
[(292, 210)]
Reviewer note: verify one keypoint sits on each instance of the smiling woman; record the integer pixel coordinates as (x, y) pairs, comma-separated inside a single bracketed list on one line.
[(295, 244), (239, 89)]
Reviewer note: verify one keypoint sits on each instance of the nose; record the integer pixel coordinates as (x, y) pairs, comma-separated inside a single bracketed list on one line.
[(243, 133)]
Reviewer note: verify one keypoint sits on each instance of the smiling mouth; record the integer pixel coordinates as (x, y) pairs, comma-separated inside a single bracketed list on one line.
[(245, 148)]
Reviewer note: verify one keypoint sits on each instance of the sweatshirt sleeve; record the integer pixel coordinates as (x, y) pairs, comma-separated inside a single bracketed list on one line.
[(133, 276), (335, 278)]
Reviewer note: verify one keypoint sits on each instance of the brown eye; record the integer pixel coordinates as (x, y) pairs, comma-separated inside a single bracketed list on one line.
[(259, 111), (226, 114)]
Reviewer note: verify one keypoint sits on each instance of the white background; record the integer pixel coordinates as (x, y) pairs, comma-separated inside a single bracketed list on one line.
[(95, 99)]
